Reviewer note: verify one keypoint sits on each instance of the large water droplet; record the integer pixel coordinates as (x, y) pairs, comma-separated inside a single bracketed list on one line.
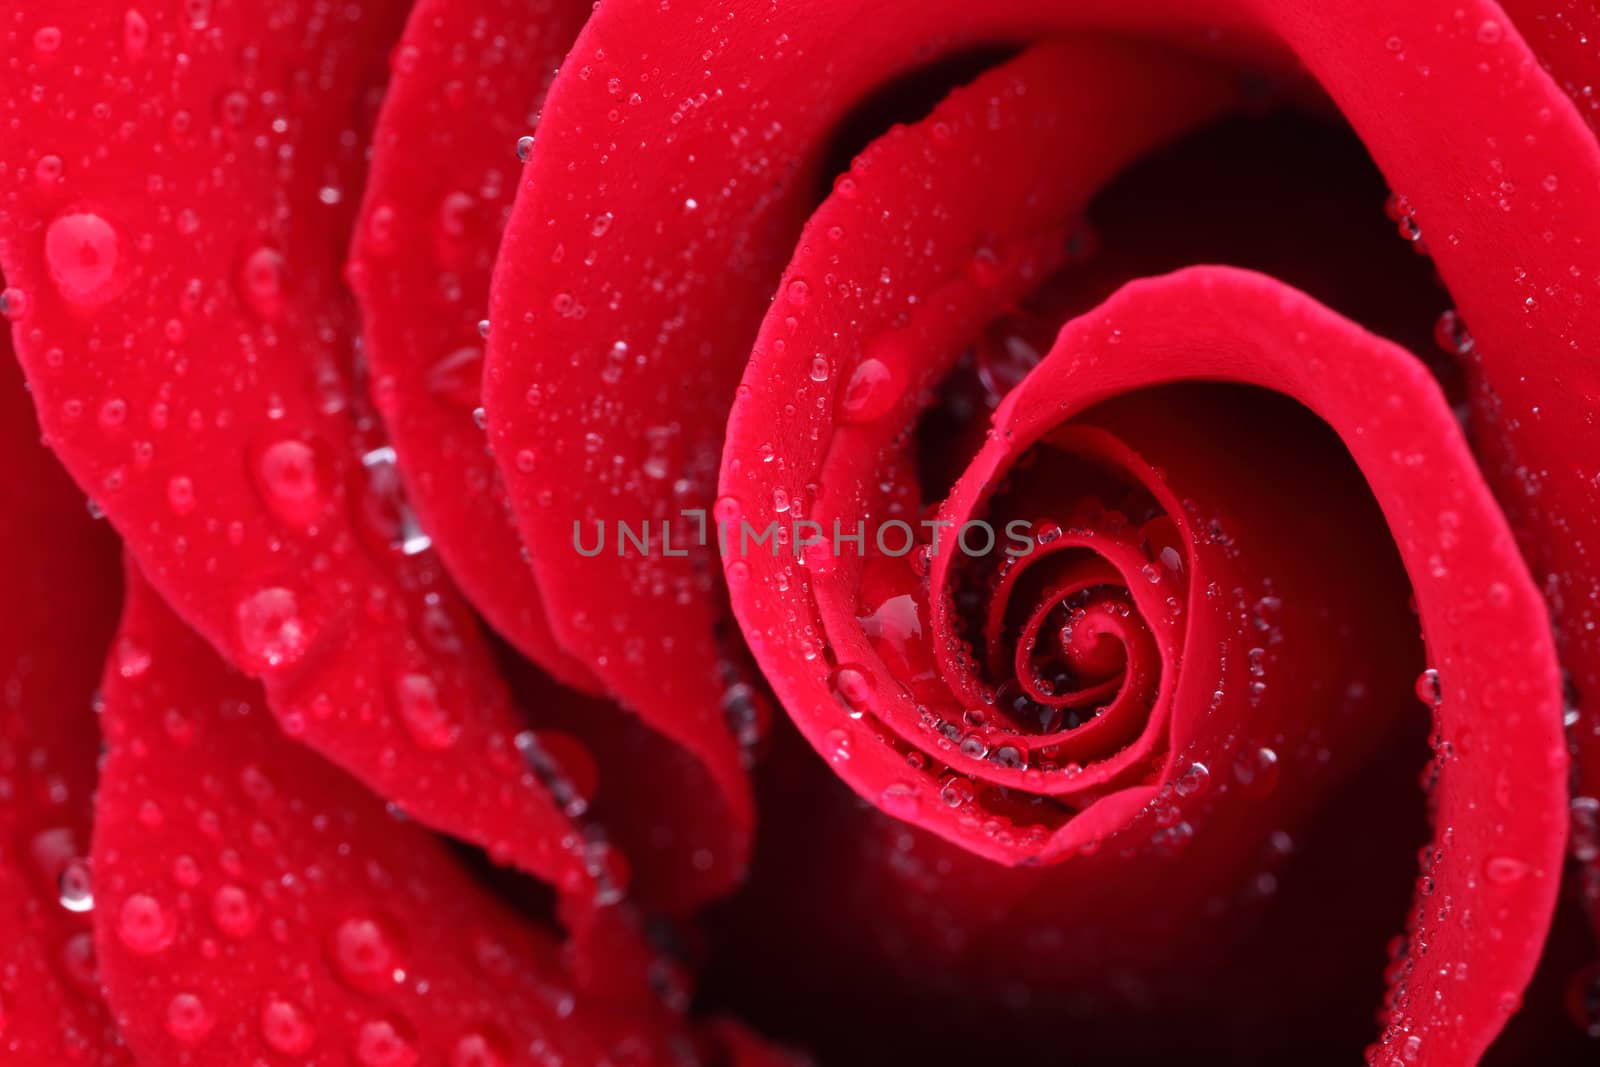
[(871, 392), (76, 887), (853, 687), (144, 925), (427, 721), (386, 1042), (272, 634), (188, 1019), (290, 484), (261, 282), (233, 911), (1428, 689), (81, 250), (366, 952), (480, 1048), (284, 1026)]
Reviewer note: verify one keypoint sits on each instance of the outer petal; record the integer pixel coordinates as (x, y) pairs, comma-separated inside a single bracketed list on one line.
[(59, 575), (254, 902), (192, 359), (460, 99), (420, 264), (1501, 209)]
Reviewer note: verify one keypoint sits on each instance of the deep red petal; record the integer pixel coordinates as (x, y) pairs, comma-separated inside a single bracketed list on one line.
[(62, 590), (1501, 208), (191, 356), (424, 246), (1501, 749), (420, 265), (254, 901)]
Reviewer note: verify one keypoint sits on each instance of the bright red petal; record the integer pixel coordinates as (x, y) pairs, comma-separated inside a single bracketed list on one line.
[(191, 355), (62, 592), (254, 902), (420, 266)]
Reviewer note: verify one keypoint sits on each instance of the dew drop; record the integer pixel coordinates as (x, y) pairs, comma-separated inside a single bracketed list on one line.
[(1193, 781), (1428, 689), (480, 1048), (13, 303), (81, 250), (524, 148), (798, 292), (836, 746), (901, 799), (871, 392), (180, 494), (76, 887), (286, 473), (365, 951), (285, 1028), (188, 1018), (233, 911), (1256, 769), (385, 1043), (261, 282), (144, 926), (271, 632), (1451, 335), (1504, 870), (424, 715), (852, 686)]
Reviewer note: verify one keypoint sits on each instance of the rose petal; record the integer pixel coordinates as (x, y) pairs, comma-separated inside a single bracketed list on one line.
[(254, 901), (1501, 747), (841, 456), (190, 354), (61, 584), (420, 263)]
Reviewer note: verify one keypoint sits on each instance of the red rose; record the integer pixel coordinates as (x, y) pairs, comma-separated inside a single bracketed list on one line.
[(1031, 403)]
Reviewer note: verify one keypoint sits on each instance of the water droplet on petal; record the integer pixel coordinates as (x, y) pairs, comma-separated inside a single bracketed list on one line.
[(853, 687), (836, 746), (76, 886), (285, 1028), (81, 250), (13, 303), (233, 911), (480, 1048), (386, 1043), (425, 717), (1504, 870), (272, 634), (261, 282), (188, 1018), (365, 951), (871, 392), (287, 475), (1428, 688), (144, 926), (902, 799)]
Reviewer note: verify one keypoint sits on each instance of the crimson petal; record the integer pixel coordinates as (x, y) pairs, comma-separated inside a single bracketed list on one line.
[(252, 901), (420, 266), (191, 356), (61, 586)]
